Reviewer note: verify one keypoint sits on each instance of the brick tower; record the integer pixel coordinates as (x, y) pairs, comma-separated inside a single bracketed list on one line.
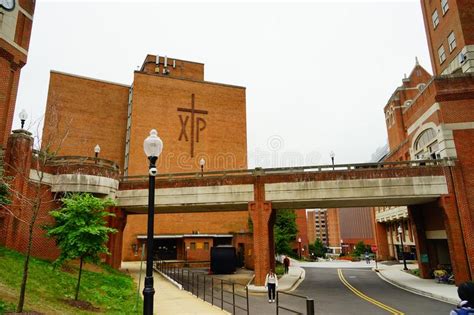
[(16, 19), (449, 26)]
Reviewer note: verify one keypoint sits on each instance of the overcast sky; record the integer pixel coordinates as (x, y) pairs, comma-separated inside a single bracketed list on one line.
[(317, 74)]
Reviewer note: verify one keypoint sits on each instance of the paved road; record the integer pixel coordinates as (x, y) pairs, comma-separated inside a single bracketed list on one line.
[(335, 291), (369, 294)]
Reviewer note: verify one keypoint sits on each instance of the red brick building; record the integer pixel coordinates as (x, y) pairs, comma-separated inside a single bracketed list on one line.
[(15, 31), (432, 117), (196, 119), (349, 226)]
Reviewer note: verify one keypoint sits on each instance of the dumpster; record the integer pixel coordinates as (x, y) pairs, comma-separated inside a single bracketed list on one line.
[(223, 259)]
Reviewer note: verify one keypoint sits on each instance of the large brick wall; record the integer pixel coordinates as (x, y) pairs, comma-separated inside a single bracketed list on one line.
[(82, 113), (222, 142)]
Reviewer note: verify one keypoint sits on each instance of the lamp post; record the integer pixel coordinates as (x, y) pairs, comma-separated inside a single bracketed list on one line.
[(152, 147), (202, 162), (97, 151), (400, 232), (23, 116), (186, 256), (332, 155), (299, 247)]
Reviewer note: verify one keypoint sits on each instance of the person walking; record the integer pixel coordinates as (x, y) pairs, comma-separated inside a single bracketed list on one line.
[(286, 263), (271, 283), (367, 257), (466, 294)]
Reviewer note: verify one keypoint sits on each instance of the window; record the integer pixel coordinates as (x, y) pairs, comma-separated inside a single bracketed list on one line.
[(435, 18), (421, 86), (206, 245), (193, 245), (444, 6), (441, 54), (425, 138), (426, 145), (451, 41)]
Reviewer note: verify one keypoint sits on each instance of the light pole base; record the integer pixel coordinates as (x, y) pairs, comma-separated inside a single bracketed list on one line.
[(148, 295)]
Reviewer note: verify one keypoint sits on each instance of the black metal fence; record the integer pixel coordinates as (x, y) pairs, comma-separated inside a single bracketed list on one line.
[(289, 303), (228, 295)]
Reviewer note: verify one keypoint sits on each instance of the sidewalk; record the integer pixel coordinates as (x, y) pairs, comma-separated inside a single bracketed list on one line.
[(286, 283), (395, 275), (169, 300)]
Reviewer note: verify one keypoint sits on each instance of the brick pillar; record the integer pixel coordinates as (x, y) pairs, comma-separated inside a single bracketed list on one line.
[(17, 165), (455, 230), (460, 213), (415, 214), (383, 252), (263, 219), (9, 87), (264, 252), (115, 242)]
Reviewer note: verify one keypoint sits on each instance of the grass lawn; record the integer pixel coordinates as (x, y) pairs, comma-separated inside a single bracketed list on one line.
[(109, 290)]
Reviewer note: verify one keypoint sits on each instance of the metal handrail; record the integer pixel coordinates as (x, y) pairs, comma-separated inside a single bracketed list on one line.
[(309, 304), (281, 170), (193, 281), (76, 159)]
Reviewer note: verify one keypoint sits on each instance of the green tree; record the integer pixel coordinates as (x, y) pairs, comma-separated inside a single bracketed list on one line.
[(80, 230), (319, 248), (285, 231), (359, 249), (4, 195)]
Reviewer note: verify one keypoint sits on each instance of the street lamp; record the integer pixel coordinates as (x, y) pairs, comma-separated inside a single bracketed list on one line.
[(299, 246), (23, 116), (332, 155), (97, 151), (153, 147), (186, 255), (400, 232), (202, 162)]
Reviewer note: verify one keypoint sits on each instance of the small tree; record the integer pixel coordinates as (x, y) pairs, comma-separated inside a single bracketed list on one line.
[(319, 248), (359, 249), (80, 230), (285, 231), (4, 195)]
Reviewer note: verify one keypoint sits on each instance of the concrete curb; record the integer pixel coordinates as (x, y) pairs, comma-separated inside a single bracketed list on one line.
[(176, 284), (260, 289), (417, 291), (298, 282)]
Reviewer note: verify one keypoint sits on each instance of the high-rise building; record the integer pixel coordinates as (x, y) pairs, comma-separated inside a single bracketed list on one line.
[(432, 117), (449, 26), (321, 225), (16, 20)]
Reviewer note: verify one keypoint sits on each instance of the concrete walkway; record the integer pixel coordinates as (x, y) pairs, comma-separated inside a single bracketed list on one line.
[(395, 275), (169, 300)]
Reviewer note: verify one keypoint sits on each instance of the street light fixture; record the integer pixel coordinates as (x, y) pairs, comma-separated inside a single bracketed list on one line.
[(332, 155), (97, 151), (400, 232), (202, 162), (23, 116), (299, 246), (152, 147)]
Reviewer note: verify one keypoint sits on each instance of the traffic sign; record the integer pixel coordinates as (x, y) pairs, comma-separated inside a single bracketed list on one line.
[(373, 248)]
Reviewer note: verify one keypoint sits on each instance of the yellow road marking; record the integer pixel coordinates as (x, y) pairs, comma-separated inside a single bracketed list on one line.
[(367, 298)]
